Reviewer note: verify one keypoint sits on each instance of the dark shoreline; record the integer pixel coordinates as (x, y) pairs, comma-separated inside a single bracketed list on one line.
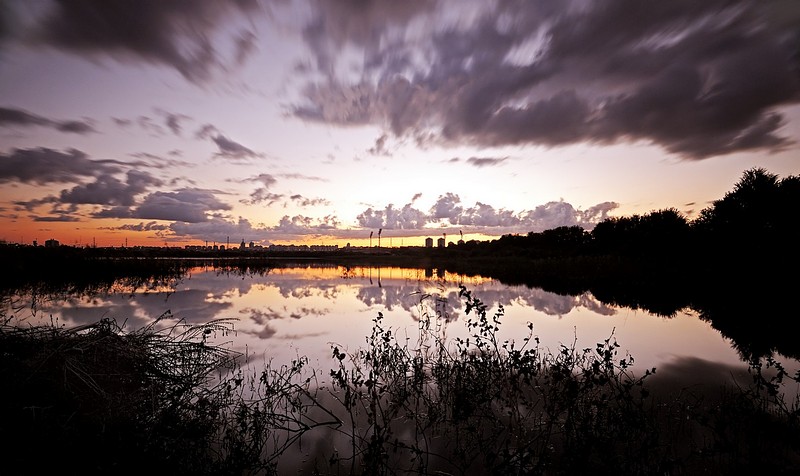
[(732, 294)]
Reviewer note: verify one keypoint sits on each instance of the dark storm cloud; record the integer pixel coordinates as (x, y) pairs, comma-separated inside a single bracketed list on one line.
[(10, 117), (364, 22), (6, 21), (42, 165), (186, 205), (108, 190), (698, 79), (113, 212), (178, 34)]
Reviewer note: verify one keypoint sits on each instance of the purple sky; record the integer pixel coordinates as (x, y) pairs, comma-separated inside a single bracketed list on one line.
[(320, 121)]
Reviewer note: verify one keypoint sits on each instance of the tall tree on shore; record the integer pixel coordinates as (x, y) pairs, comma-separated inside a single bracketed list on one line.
[(761, 209)]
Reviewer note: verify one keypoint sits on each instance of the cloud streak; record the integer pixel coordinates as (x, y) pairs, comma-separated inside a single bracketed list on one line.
[(226, 148), (43, 165), (699, 79), (179, 35), (10, 117)]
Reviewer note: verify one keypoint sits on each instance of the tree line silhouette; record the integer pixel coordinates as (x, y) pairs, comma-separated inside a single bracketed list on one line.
[(758, 218)]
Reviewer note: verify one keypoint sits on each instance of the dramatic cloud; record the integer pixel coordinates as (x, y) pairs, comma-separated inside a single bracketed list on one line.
[(447, 215), (698, 79), (447, 207), (338, 24), (186, 205), (449, 212), (19, 117), (175, 34), (108, 190), (406, 218), (42, 165)]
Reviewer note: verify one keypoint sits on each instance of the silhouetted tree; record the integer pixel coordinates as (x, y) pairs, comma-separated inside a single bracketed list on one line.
[(657, 233), (761, 212)]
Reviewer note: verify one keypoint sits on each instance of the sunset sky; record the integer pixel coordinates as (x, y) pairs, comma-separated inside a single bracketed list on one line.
[(314, 121)]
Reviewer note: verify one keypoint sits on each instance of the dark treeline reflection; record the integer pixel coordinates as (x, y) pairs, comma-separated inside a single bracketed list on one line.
[(733, 265), (756, 313)]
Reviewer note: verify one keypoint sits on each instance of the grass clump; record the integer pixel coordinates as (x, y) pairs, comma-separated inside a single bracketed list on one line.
[(95, 399)]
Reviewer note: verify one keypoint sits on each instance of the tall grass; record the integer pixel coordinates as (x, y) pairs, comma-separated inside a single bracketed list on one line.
[(98, 399), (480, 405)]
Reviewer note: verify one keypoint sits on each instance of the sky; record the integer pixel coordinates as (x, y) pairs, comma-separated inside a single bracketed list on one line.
[(180, 122)]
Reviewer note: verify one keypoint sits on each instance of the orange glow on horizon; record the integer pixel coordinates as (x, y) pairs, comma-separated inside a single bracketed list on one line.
[(102, 234)]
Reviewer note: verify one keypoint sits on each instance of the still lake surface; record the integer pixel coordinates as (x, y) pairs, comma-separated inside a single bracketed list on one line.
[(279, 314)]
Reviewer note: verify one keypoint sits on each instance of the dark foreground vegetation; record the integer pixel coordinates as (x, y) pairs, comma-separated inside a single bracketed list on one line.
[(102, 400)]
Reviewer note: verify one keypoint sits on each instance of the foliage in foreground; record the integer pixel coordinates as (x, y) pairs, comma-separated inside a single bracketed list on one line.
[(97, 399), (484, 406)]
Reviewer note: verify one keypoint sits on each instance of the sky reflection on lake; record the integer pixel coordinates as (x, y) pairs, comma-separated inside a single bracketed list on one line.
[(294, 311)]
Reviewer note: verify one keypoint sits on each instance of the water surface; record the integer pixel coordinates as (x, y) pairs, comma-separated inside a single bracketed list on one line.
[(279, 314)]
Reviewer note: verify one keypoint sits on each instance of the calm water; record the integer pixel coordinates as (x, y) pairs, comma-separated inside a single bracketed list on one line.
[(304, 310)]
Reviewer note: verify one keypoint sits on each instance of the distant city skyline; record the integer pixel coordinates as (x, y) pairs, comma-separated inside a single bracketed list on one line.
[(325, 122)]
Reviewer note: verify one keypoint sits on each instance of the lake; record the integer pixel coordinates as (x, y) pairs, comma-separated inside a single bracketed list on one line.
[(280, 313)]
